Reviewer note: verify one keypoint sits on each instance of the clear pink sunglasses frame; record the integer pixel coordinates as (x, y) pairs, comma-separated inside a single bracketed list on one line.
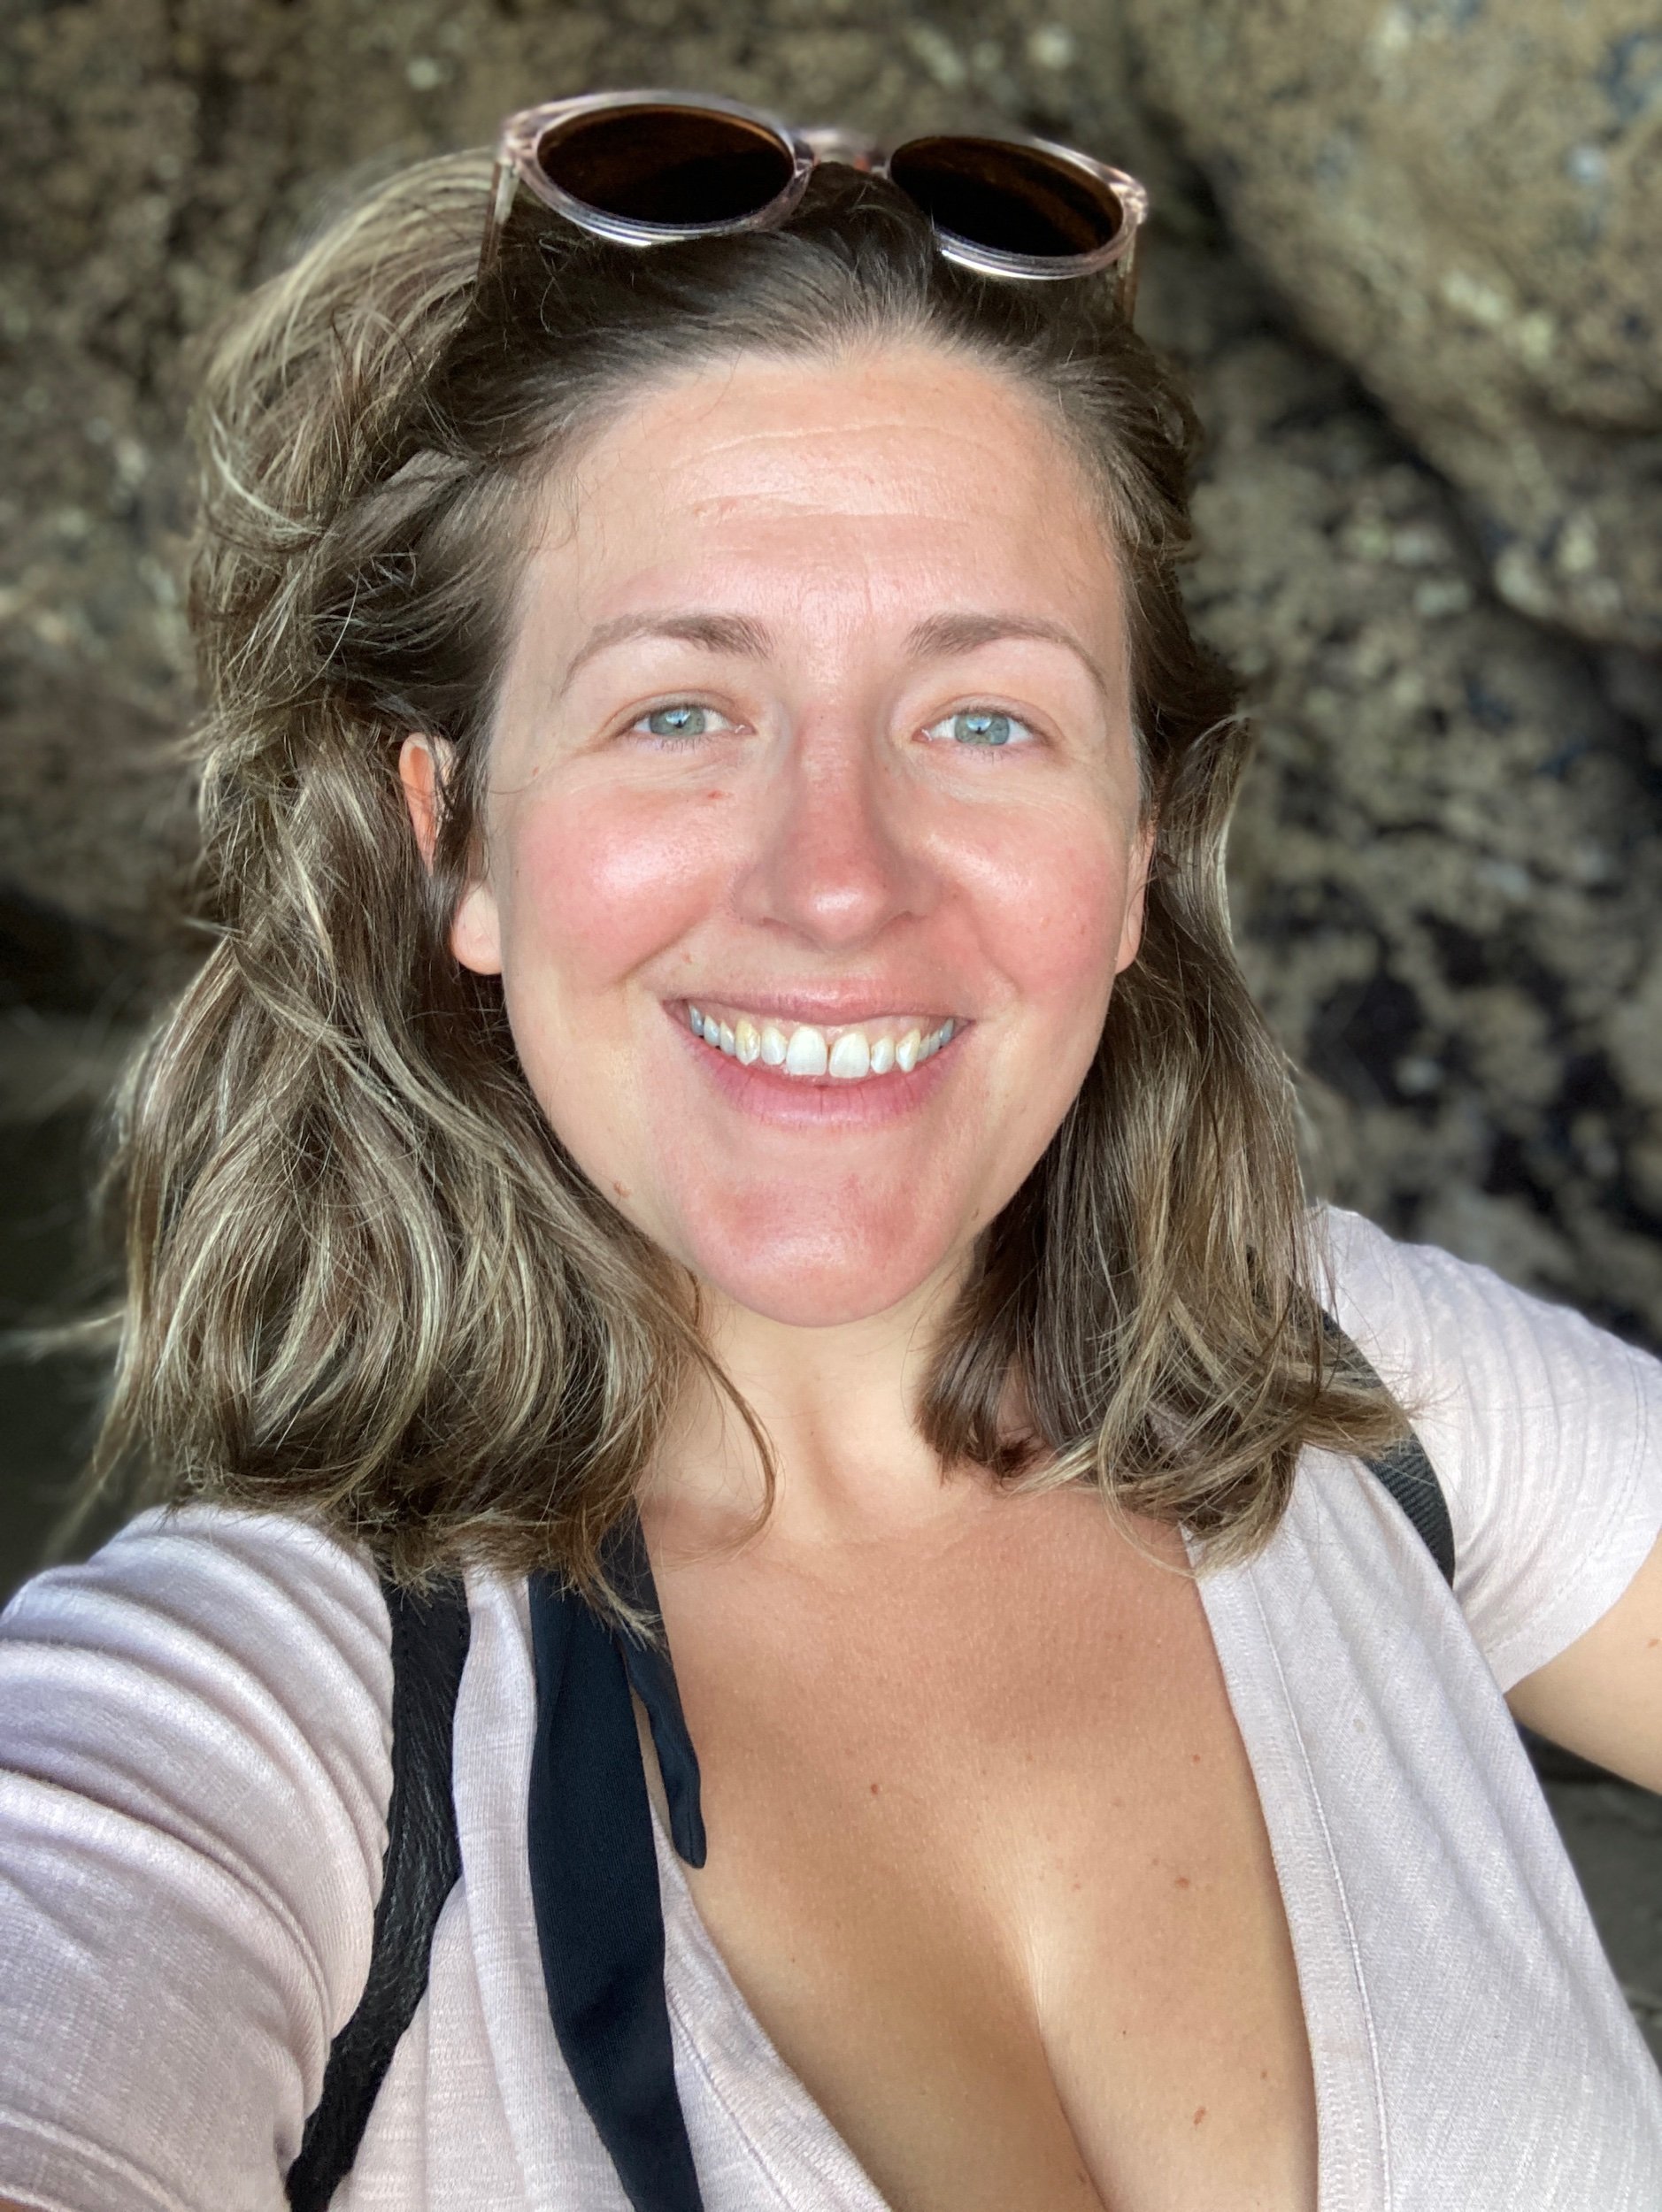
[(521, 135)]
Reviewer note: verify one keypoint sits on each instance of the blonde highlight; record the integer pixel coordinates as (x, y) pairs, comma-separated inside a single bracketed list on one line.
[(365, 1281)]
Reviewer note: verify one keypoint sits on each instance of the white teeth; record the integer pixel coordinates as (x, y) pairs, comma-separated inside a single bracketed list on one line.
[(806, 1053), (851, 1056), (804, 1050)]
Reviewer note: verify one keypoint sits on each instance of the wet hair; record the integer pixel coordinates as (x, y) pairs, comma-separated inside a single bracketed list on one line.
[(366, 1282)]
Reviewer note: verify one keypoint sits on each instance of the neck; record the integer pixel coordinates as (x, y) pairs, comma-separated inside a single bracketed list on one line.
[(839, 1406)]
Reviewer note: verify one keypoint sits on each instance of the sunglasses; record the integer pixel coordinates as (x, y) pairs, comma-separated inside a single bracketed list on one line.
[(640, 168)]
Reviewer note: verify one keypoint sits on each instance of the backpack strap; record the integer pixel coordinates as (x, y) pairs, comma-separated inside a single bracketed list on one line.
[(1405, 1469), (423, 1862)]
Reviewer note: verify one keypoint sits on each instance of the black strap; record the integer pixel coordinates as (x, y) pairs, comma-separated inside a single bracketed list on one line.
[(652, 1678), (423, 1862), (594, 1875), (599, 1914), (1405, 1471)]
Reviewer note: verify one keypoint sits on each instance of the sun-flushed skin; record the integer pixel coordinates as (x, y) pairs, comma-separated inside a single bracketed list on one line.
[(832, 846)]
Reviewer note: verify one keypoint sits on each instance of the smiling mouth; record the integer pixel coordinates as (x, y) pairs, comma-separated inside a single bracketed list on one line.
[(845, 1053)]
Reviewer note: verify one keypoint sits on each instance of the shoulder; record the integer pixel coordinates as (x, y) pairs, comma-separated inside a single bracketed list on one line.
[(253, 1634), (183, 1577), (1545, 1432), (1455, 1339)]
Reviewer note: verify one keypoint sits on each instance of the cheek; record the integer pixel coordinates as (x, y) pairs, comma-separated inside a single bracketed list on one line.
[(1050, 899), (599, 884)]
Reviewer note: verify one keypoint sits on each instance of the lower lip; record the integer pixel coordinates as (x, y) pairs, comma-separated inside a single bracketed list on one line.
[(824, 1102)]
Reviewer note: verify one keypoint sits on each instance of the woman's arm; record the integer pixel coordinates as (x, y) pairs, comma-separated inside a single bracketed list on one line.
[(1602, 1697), (194, 1777)]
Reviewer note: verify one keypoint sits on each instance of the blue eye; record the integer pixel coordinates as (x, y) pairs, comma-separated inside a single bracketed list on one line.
[(982, 729), (978, 726), (681, 722)]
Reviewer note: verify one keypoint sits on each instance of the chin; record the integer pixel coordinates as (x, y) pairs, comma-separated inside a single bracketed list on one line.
[(815, 1282)]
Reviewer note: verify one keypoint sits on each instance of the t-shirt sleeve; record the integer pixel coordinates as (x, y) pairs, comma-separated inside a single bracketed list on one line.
[(1545, 1433), (194, 1775)]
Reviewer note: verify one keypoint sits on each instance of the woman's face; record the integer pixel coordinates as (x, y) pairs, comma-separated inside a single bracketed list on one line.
[(816, 719)]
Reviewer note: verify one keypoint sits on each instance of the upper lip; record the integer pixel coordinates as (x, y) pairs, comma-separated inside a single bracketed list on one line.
[(834, 1009)]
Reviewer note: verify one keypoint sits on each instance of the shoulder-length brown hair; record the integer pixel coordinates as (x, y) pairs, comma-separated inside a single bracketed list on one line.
[(365, 1281)]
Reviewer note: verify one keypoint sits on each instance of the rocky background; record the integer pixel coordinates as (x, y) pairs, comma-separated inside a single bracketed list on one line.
[(1407, 251)]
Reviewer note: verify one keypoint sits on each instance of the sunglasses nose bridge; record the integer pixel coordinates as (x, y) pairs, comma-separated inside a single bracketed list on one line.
[(829, 141)]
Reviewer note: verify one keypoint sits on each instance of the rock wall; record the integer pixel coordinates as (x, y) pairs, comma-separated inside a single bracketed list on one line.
[(1460, 198), (1403, 251)]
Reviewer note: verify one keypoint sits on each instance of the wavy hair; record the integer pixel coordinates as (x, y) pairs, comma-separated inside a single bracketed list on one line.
[(365, 1280)]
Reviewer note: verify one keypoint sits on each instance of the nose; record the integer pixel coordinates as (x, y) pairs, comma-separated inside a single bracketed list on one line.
[(836, 855)]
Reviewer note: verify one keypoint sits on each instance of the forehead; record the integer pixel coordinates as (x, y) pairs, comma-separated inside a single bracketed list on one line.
[(900, 472)]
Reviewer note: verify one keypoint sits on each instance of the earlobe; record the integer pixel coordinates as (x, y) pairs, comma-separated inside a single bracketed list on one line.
[(474, 936)]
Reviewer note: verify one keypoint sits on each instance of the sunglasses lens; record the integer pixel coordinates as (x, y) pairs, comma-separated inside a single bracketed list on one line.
[(655, 164), (1013, 199)]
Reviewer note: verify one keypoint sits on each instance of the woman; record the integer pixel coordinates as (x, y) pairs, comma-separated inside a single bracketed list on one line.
[(721, 1092)]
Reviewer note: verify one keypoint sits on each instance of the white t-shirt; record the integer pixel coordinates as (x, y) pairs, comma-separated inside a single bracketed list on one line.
[(194, 1728)]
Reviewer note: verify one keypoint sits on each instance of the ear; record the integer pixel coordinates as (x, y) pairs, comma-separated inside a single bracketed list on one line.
[(475, 934), (1136, 895)]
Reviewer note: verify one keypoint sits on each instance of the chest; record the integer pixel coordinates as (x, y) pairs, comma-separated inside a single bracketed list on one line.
[(986, 1863)]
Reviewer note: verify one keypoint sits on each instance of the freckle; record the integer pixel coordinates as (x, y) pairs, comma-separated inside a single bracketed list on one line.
[(1183, 1881), (1194, 1758), (1264, 2073), (1200, 2114), (1654, 1641)]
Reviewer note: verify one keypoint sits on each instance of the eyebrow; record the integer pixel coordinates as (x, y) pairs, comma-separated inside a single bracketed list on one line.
[(735, 634), (940, 635), (937, 636)]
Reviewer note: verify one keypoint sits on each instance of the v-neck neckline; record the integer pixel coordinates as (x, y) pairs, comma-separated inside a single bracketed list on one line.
[(777, 2116)]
